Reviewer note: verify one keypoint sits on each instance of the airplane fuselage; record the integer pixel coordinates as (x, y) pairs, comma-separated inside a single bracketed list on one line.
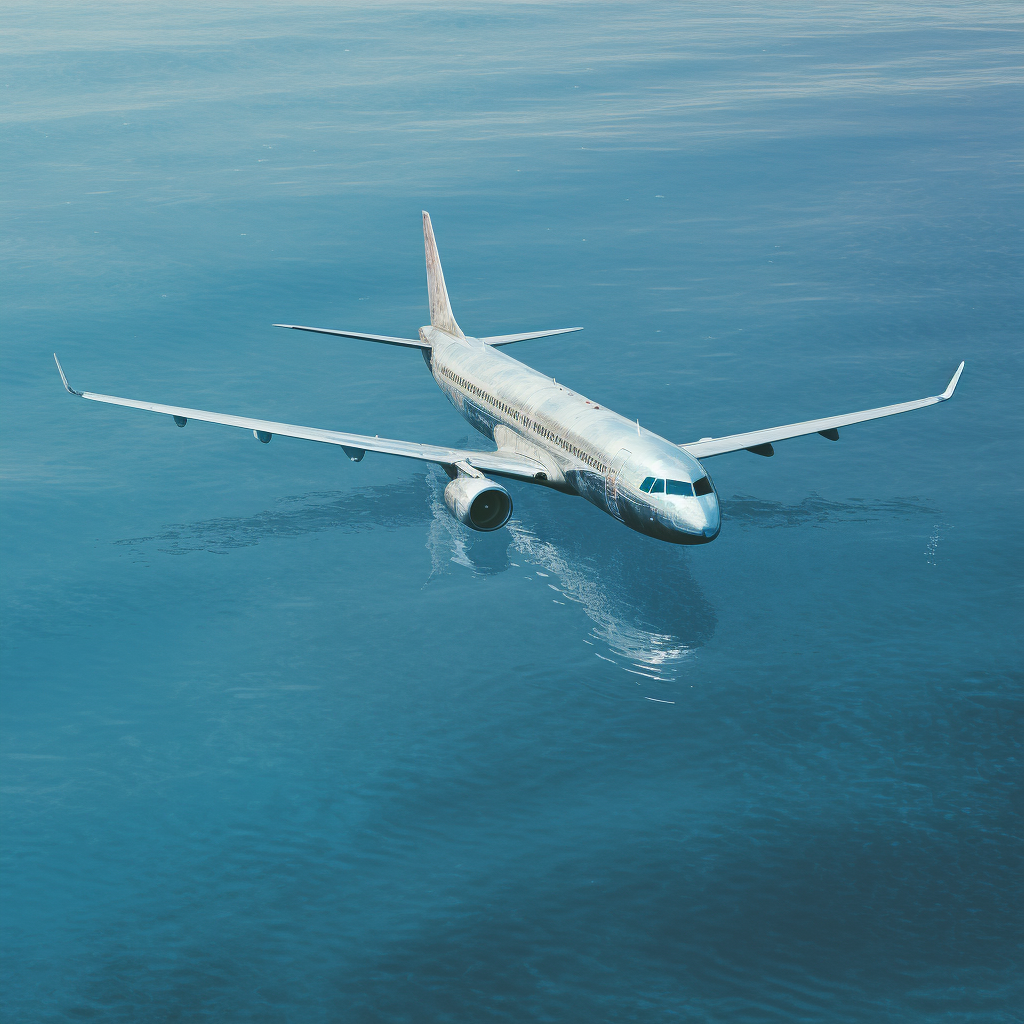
[(585, 448)]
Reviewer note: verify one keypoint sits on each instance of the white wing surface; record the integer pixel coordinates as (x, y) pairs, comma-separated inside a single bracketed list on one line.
[(511, 339), (385, 339), (354, 445), (760, 441)]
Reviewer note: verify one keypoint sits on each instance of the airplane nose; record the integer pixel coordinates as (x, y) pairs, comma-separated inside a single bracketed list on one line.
[(690, 522), (700, 532), (712, 520)]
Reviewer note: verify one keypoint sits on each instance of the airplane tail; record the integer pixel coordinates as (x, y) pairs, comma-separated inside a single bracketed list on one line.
[(441, 315)]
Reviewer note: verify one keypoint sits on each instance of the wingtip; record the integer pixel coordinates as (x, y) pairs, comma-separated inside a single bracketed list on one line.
[(67, 387), (948, 393)]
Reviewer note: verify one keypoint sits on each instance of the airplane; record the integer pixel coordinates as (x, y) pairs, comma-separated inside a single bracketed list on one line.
[(544, 432)]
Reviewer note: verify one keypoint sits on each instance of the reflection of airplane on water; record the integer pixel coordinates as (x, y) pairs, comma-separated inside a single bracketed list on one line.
[(544, 433), (649, 613)]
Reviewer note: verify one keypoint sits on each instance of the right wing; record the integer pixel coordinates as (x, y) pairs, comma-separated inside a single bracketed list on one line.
[(760, 441), (354, 445)]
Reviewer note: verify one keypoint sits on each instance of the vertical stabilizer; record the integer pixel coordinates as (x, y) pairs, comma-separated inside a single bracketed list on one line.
[(440, 308)]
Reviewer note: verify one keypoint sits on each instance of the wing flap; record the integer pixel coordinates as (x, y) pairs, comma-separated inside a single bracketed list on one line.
[(504, 463), (827, 425)]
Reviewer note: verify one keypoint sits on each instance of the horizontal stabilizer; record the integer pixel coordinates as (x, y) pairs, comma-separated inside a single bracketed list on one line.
[(509, 339), (384, 339)]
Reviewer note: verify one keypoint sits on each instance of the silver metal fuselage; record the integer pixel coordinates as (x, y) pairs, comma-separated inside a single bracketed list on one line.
[(584, 448)]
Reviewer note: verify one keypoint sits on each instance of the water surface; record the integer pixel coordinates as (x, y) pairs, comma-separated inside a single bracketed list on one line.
[(283, 742)]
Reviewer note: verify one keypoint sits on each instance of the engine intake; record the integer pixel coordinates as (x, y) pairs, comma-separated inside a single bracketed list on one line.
[(478, 503)]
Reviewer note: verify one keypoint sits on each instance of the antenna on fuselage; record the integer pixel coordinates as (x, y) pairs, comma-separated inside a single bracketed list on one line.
[(441, 315)]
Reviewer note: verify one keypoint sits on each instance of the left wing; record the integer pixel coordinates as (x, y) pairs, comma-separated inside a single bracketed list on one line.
[(354, 445), (760, 441), (385, 339)]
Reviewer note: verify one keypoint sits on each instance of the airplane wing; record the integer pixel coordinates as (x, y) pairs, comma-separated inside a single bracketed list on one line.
[(760, 441), (354, 445)]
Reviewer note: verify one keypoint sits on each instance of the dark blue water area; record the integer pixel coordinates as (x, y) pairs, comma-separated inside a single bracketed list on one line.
[(282, 741)]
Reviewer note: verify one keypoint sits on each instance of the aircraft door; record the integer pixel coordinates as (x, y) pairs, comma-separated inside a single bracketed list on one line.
[(611, 481)]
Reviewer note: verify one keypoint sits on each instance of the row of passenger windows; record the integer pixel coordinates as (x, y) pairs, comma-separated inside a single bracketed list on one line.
[(571, 448), (656, 486), (525, 420)]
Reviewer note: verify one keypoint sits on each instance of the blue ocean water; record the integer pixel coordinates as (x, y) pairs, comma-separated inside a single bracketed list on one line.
[(281, 741)]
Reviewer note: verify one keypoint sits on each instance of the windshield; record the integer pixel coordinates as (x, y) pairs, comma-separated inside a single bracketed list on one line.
[(653, 485)]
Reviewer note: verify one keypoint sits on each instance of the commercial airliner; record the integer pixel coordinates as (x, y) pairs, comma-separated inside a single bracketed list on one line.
[(544, 433)]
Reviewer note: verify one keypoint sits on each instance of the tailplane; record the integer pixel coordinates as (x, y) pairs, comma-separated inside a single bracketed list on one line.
[(441, 315)]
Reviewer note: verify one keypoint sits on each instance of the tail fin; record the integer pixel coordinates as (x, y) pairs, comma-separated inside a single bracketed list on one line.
[(440, 308)]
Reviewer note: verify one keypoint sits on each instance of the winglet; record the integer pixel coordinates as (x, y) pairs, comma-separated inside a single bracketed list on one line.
[(70, 390), (948, 393)]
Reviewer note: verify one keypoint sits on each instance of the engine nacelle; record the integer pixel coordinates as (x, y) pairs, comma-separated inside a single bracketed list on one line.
[(479, 503)]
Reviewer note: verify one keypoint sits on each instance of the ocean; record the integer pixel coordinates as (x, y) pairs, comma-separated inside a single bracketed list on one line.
[(283, 742)]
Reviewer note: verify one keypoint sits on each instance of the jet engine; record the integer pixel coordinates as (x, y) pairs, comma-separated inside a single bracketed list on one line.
[(479, 503)]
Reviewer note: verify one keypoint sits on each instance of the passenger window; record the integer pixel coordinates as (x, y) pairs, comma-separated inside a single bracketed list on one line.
[(679, 487), (702, 486), (646, 485), (659, 487)]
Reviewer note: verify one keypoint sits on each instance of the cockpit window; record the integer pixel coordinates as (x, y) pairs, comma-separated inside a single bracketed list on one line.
[(679, 487)]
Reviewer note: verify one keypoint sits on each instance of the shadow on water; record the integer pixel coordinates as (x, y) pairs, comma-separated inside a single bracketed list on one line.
[(645, 605), (817, 511), (369, 508)]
